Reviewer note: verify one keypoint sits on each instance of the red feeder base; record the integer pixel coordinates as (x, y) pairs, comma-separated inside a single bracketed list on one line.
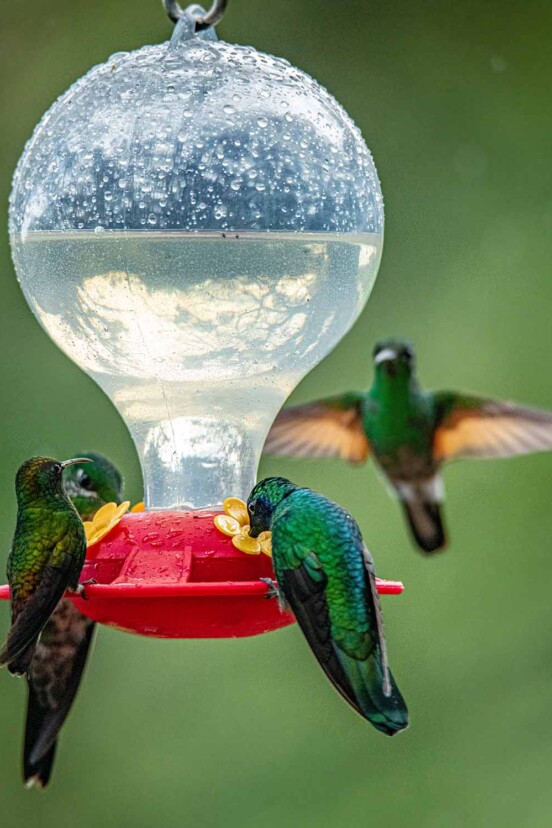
[(174, 575)]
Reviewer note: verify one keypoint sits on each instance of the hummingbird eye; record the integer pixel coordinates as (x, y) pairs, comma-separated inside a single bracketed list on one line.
[(83, 479), (251, 508)]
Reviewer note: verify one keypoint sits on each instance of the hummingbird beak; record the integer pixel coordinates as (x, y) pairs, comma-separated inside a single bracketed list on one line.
[(255, 524), (387, 355), (74, 461)]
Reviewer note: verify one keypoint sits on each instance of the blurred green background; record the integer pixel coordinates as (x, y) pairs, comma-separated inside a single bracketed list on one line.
[(454, 101)]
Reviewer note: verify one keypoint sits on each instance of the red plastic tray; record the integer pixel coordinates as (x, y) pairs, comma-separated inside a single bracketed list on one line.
[(174, 575)]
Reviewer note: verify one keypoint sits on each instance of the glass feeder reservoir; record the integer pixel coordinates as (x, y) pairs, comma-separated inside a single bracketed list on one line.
[(196, 224)]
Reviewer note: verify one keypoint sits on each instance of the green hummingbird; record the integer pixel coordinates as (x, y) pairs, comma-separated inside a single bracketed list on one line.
[(410, 433), (326, 577), (46, 557), (61, 654)]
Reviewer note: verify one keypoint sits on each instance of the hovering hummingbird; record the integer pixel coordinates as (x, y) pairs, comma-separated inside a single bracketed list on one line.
[(326, 577), (410, 433), (60, 657)]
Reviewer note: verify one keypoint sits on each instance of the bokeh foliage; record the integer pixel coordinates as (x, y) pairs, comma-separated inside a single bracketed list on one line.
[(454, 101)]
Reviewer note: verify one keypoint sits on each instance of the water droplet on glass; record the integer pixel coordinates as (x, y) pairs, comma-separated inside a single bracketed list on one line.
[(176, 149)]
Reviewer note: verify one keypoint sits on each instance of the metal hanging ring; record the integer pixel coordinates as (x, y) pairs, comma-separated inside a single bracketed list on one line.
[(213, 16)]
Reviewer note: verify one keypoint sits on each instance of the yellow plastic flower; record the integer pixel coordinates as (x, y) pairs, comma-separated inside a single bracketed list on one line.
[(236, 508), (227, 525), (265, 539), (139, 507), (235, 523), (105, 519)]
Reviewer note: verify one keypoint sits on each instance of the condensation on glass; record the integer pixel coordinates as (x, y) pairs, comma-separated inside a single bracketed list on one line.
[(196, 224)]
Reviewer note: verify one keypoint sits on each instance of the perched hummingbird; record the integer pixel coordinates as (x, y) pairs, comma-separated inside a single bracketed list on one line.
[(94, 485), (326, 577), (46, 557), (410, 433), (60, 657)]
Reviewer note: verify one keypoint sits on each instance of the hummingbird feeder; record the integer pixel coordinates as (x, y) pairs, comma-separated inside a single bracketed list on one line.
[(196, 224)]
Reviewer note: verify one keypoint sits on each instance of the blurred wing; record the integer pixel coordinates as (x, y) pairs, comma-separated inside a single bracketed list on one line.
[(475, 427), (328, 428)]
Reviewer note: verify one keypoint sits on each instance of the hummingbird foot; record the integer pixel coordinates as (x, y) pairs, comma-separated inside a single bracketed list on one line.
[(81, 589), (273, 591)]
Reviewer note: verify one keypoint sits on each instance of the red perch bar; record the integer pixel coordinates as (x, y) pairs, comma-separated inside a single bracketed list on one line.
[(174, 575)]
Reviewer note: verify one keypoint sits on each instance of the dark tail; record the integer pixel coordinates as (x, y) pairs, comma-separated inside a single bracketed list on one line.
[(37, 774), (426, 524), (37, 765), (49, 706)]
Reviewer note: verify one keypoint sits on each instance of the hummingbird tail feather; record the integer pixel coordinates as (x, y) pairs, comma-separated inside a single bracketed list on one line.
[(426, 525), (387, 713), (54, 680), (37, 775), (422, 508)]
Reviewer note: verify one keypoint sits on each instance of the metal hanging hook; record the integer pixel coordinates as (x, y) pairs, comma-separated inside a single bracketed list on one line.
[(213, 16)]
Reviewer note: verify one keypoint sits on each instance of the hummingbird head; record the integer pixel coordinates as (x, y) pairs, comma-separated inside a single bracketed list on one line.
[(264, 499), (92, 484), (393, 358), (41, 477)]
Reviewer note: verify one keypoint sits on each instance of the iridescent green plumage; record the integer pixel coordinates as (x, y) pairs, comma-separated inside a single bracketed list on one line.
[(46, 557), (410, 433), (61, 654), (326, 576), (90, 486)]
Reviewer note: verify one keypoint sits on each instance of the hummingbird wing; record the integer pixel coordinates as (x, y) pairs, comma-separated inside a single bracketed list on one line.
[(469, 426), (31, 615), (54, 679), (304, 591), (327, 428), (352, 654), (378, 614)]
